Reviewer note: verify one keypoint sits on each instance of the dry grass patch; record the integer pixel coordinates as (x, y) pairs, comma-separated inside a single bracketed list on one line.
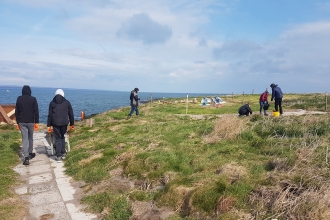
[(232, 171), (13, 208), (226, 127)]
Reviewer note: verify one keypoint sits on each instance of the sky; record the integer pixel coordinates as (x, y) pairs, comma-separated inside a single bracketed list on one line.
[(188, 46)]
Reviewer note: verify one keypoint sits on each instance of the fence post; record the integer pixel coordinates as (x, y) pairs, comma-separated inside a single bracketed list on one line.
[(187, 105), (326, 101), (243, 98)]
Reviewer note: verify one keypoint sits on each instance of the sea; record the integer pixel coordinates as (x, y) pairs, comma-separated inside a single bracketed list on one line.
[(89, 101)]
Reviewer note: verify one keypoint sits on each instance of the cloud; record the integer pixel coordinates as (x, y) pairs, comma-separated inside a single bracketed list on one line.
[(140, 27), (236, 48)]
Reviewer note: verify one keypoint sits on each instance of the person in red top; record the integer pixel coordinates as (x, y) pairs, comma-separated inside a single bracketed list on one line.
[(263, 100)]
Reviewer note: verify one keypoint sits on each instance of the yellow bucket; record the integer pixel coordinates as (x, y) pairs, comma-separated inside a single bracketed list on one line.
[(276, 114)]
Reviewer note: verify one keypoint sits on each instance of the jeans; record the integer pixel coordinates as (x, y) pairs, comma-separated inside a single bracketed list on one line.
[(59, 132), (27, 137), (278, 104), (134, 108), (262, 105)]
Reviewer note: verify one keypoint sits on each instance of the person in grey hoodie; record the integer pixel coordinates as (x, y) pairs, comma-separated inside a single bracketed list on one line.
[(60, 114), (277, 95), (27, 118), (134, 102)]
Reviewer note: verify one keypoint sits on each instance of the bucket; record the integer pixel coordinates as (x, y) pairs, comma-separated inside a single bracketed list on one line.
[(276, 114)]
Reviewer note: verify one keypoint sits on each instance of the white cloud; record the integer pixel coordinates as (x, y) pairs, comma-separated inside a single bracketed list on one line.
[(140, 27)]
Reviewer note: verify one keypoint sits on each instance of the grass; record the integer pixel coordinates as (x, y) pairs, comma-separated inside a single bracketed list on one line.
[(11, 206), (207, 164)]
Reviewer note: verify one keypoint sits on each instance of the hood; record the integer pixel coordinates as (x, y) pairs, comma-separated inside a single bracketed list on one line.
[(26, 90), (58, 99), (59, 92)]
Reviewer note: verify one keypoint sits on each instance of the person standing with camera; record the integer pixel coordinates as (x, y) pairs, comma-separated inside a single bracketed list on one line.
[(134, 103)]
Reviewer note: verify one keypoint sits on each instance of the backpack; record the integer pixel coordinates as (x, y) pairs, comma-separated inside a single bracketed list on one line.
[(266, 106)]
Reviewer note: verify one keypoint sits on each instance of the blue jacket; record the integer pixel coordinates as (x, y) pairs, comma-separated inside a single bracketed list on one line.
[(276, 92)]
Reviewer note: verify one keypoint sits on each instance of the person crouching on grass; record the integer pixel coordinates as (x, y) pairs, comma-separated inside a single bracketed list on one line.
[(245, 110)]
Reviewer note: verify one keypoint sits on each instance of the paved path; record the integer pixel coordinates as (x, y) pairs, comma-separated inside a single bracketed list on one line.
[(49, 192)]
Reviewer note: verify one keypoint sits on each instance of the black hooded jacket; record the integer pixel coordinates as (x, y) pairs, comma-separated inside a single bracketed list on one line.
[(60, 112), (134, 97), (244, 109), (26, 110)]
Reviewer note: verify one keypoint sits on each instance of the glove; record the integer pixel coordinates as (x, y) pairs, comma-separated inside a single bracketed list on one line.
[(18, 127), (50, 130), (36, 126), (71, 127)]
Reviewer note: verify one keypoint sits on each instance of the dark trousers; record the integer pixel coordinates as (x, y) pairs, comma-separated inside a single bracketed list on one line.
[(278, 104), (59, 132), (244, 113), (134, 109)]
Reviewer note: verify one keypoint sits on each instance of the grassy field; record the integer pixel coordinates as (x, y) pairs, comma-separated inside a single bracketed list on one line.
[(207, 164), (11, 206)]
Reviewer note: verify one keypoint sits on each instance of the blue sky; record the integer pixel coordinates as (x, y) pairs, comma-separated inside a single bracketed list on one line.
[(189, 46)]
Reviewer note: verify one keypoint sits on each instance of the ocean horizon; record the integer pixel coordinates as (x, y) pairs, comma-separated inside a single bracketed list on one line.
[(88, 100)]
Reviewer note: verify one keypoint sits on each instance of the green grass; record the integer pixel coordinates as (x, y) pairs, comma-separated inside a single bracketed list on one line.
[(9, 147), (182, 162), (194, 166)]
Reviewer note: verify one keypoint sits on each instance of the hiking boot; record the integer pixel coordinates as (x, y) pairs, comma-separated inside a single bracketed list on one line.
[(266, 114), (26, 161), (32, 155), (63, 156), (58, 158), (128, 117)]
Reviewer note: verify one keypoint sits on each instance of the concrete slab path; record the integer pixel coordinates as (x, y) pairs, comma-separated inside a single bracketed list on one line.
[(49, 192)]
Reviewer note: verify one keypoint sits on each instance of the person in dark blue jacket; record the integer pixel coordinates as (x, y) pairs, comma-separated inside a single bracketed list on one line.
[(60, 114), (277, 95)]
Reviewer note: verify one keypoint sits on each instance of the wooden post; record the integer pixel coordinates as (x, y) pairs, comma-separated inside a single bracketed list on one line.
[(232, 95), (326, 101), (243, 98), (187, 105), (90, 122), (150, 98)]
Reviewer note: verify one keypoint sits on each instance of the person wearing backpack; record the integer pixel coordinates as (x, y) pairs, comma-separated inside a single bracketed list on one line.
[(134, 103), (263, 100)]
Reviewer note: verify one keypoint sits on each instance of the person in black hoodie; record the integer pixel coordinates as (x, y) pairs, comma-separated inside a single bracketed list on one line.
[(60, 114), (27, 118), (245, 110)]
